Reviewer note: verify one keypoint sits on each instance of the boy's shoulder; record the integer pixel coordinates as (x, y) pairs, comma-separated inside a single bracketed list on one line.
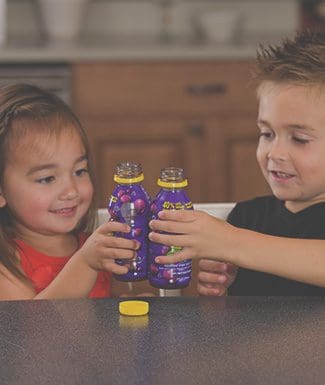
[(259, 203), (254, 210)]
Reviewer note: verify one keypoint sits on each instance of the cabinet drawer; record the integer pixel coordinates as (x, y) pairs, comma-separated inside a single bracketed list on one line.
[(180, 88)]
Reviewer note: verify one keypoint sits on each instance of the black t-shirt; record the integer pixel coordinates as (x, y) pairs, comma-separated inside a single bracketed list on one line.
[(268, 215)]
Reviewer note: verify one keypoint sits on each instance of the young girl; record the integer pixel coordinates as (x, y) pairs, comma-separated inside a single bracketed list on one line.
[(47, 206)]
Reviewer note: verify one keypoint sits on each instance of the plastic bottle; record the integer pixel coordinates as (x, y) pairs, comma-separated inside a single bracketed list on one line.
[(172, 196), (129, 203)]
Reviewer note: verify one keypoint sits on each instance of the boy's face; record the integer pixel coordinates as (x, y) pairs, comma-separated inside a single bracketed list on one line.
[(291, 148)]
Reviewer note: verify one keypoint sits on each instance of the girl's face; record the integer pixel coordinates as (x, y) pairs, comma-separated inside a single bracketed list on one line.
[(46, 183), (291, 149)]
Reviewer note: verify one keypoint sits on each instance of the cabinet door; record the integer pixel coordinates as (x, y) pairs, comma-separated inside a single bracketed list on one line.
[(155, 144), (231, 147)]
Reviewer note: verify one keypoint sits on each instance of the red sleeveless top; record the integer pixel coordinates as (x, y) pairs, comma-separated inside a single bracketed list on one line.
[(41, 269)]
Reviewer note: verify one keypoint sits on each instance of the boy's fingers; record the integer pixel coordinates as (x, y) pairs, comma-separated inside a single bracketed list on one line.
[(210, 291), (167, 226), (212, 278), (173, 258), (177, 215), (209, 265), (169, 240), (231, 269)]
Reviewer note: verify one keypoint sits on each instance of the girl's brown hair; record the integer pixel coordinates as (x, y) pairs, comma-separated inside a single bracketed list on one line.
[(26, 108)]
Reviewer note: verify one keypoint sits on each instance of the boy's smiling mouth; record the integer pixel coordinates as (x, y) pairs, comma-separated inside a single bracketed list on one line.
[(280, 175)]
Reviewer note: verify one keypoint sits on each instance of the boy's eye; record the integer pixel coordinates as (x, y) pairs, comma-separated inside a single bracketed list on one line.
[(81, 171), (300, 140), (45, 180), (265, 134)]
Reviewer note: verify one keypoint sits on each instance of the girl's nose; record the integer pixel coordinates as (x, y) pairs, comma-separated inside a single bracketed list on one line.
[(69, 190)]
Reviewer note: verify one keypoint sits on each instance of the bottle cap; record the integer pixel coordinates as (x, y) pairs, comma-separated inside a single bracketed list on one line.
[(134, 308)]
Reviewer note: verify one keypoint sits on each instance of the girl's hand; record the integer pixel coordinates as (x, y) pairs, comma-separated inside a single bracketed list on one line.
[(198, 233), (215, 277), (101, 249)]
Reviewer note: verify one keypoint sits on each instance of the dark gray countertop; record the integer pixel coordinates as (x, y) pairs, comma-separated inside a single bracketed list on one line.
[(243, 340)]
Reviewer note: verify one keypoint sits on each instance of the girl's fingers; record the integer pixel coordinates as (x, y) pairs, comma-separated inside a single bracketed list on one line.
[(112, 254), (108, 227), (114, 267), (118, 242)]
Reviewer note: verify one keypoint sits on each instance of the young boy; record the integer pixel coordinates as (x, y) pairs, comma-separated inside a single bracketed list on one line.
[(291, 155)]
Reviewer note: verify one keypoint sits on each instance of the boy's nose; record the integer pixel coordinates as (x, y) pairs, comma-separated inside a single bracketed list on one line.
[(278, 151)]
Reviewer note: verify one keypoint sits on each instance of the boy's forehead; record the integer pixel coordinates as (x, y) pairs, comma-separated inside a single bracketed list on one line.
[(291, 105), (277, 88)]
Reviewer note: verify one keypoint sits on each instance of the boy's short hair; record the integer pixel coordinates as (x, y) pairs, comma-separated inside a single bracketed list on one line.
[(298, 60)]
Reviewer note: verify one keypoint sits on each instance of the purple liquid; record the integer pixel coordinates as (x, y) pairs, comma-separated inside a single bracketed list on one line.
[(129, 204), (176, 275)]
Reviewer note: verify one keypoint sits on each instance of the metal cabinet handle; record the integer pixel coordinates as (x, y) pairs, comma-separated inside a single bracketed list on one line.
[(206, 89), (195, 129)]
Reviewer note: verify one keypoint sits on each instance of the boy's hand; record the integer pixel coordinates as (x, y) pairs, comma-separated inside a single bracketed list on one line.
[(198, 233), (101, 249), (215, 277)]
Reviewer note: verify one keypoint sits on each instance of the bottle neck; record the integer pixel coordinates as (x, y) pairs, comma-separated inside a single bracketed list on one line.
[(172, 185), (128, 180)]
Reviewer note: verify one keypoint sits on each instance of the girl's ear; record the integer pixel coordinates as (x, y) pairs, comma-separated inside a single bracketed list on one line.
[(3, 201)]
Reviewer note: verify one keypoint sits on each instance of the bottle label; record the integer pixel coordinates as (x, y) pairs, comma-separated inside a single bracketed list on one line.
[(177, 275)]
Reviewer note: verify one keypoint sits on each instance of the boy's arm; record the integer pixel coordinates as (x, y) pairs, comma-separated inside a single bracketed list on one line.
[(293, 258), (202, 235)]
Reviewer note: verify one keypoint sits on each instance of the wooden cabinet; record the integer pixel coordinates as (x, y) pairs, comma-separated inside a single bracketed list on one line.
[(199, 115)]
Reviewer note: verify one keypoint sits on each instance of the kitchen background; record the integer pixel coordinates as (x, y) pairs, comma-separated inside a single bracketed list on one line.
[(163, 82)]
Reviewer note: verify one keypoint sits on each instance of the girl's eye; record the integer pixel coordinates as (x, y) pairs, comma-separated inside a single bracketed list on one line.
[(81, 171), (45, 180)]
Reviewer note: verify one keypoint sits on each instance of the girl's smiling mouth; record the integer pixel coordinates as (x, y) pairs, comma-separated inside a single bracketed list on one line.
[(66, 211)]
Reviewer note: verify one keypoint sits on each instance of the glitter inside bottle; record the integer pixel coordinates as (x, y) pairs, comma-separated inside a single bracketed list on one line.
[(129, 203)]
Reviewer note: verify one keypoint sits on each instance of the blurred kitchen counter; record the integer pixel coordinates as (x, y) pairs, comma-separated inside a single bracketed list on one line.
[(70, 53)]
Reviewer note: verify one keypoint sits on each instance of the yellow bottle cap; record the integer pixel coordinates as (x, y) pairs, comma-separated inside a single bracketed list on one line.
[(134, 308)]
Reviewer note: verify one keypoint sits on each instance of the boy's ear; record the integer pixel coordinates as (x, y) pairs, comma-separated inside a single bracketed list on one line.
[(3, 201)]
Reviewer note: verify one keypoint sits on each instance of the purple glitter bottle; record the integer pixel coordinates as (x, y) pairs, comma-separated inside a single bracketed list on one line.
[(172, 196), (129, 203)]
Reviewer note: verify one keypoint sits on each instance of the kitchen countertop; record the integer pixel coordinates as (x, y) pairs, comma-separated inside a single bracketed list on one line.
[(122, 51), (183, 340)]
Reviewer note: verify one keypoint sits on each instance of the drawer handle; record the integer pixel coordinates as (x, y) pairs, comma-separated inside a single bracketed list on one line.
[(206, 89), (195, 129)]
